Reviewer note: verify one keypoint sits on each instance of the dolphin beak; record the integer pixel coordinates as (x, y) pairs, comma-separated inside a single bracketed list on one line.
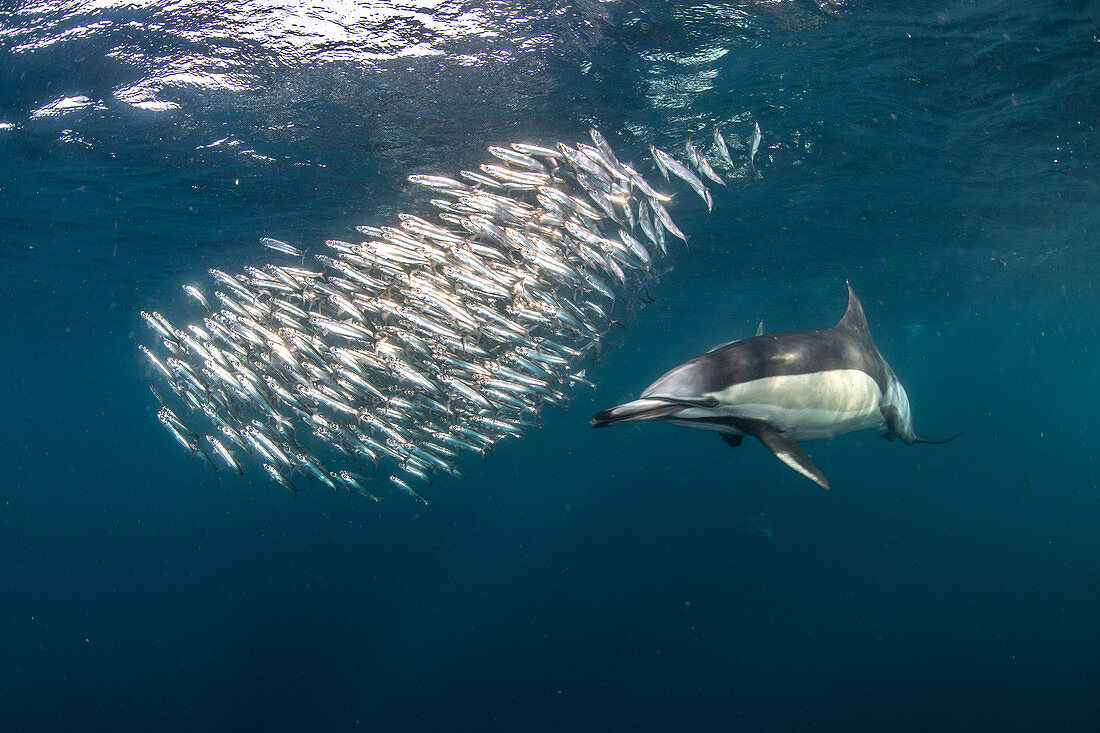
[(635, 411)]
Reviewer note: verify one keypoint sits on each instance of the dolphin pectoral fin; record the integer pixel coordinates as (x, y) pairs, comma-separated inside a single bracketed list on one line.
[(636, 411), (790, 453), (935, 441), (732, 440), (784, 449)]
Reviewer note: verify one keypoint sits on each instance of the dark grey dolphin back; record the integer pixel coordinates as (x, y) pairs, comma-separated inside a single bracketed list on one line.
[(847, 345)]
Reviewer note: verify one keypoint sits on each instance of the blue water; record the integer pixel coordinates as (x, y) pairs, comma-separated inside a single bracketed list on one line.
[(943, 156)]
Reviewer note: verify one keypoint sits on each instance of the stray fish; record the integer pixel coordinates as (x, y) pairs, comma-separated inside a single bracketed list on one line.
[(404, 486), (283, 247), (722, 149), (754, 143), (197, 295)]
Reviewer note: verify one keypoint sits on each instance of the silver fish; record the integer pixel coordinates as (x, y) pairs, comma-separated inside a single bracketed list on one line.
[(754, 143), (723, 150), (678, 169), (278, 246), (279, 478), (701, 164), (399, 351)]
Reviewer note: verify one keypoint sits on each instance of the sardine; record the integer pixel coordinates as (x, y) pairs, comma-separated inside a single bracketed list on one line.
[(722, 149), (667, 162), (277, 246), (754, 143), (403, 350)]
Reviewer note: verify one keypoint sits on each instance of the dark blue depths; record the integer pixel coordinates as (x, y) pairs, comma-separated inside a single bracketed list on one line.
[(644, 577)]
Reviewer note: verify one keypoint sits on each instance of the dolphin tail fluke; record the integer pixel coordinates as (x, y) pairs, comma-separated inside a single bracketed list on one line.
[(935, 441), (635, 411)]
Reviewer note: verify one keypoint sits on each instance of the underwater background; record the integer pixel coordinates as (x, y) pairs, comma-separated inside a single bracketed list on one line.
[(942, 156)]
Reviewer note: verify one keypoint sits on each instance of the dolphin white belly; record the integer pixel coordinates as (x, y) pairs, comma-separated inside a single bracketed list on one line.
[(814, 406)]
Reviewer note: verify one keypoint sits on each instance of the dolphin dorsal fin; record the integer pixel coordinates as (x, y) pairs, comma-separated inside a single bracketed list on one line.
[(853, 315)]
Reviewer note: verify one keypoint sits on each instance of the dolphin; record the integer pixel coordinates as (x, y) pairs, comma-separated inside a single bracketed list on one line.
[(782, 389)]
